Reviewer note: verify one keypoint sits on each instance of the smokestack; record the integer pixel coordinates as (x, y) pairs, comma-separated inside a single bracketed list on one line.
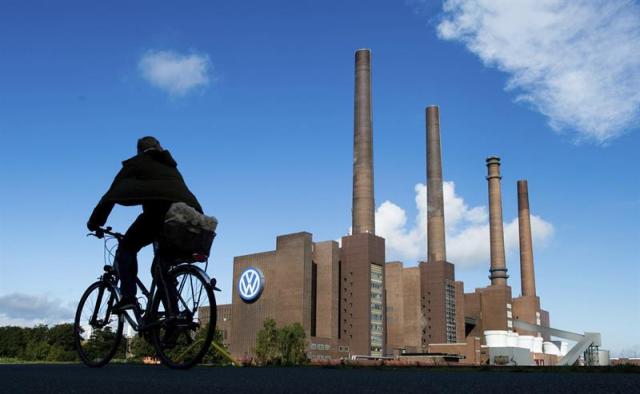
[(527, 275), (363, 203), (498, 265), (435, 202)]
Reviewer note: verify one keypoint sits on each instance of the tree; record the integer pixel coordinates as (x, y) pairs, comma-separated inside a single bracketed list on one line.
[(60, 339), (140, 348), (62, 336), (36, 351), (39, 333), (58, 353), (280, 346), (38, 343), (37, 347), (291, 343), (267, 350), (100, 342), (13, 341)]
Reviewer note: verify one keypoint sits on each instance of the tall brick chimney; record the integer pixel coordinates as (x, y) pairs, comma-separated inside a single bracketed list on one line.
[(363, 201), (527, 275), (435, 201), (498, 271)]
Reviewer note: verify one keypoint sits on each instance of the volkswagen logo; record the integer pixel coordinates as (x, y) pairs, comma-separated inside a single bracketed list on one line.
[(251, 284)]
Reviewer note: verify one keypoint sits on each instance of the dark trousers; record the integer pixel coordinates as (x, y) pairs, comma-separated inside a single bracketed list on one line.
[(144, 231)]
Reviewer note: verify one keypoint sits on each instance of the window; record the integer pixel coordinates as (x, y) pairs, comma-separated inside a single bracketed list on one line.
[(450, 311), (376, 313)]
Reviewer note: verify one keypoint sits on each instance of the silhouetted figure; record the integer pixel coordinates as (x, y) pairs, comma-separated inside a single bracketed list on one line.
[(151, 179)]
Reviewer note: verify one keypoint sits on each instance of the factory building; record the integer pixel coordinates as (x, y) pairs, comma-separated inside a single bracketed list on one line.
[(352, 303), (336, 292)]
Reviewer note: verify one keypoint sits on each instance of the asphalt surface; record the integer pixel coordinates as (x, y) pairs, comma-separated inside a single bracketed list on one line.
[(71, 378)]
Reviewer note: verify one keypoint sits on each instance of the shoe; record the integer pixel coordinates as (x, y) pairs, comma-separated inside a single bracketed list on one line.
[(123, 305)]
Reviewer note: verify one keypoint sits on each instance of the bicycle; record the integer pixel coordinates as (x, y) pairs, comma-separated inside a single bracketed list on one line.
[(179, 316)]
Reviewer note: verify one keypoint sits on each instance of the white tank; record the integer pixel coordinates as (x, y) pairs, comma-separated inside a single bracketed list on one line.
[(512, 339), (537, 345), (603, 358), (564, 348), (525, 342), (550, 348), (496, 338)]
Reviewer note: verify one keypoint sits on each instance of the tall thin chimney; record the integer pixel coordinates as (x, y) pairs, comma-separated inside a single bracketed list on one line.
[(498, 271), (527, 275), (435, 201), (363, 202)]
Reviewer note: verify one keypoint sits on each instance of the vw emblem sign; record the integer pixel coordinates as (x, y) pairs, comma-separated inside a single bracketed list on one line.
[(251, 284)]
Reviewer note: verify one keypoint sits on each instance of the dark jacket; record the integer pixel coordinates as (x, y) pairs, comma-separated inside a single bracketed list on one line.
[(146, 178)]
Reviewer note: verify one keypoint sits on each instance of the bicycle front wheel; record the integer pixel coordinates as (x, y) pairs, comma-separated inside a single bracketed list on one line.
[(182, 340), (97, 331)]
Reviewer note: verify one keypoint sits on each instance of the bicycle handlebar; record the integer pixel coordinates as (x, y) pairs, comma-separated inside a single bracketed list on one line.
[(101, 231)]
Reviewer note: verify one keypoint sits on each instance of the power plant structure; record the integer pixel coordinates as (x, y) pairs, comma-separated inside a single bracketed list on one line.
[(353, 304)]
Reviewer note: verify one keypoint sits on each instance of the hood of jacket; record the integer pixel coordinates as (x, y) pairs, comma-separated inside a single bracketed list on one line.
[(163, 157)]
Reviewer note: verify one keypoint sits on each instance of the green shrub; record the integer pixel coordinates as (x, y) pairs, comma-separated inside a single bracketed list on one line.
[(281, 346)]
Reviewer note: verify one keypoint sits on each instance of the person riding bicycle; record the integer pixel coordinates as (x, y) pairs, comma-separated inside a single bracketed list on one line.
[(151, 179)]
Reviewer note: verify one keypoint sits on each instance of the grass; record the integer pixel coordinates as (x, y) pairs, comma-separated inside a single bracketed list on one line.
[(9, 360)]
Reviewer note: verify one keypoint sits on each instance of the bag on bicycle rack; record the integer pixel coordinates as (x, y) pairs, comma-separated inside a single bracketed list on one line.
[(187, 232)]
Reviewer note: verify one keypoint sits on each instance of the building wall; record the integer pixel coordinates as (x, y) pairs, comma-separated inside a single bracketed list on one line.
[(527, 309), (358, 253), (326, 349), (470, 349), (224, 323), (403, 317), (489, 307), (495, 300), (412, 313), (434, 278), (395, 306), (545, 321), (293, 273), (247, 319), (286, 297), (326, 256), (473, 311), (460, 320)]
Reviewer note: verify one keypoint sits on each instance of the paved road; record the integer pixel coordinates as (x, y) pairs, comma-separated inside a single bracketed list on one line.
[(142, 379)]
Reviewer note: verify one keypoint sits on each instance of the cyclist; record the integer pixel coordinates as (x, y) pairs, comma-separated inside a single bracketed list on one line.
[(151, 179)]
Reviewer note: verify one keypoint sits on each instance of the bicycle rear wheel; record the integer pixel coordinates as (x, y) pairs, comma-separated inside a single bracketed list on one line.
[(97, 332), (181, 341)]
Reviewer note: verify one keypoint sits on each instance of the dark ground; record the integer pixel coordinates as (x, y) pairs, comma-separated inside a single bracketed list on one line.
[(71, 378)]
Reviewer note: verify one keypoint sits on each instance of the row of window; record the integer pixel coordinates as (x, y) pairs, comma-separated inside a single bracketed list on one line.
[(376, 317), (450, 311), (320, 356), (376, 351), (319, 346), (376, 310)]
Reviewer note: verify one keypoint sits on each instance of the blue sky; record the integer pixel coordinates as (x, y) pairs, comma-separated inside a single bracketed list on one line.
[(255, 102)]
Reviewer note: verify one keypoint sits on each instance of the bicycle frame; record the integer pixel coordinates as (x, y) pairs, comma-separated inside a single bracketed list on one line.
[(138, 320)]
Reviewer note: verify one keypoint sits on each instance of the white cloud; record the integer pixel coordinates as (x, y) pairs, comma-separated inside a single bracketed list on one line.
[(575, 61), (467, 230), (27, 310), (175, 73)]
